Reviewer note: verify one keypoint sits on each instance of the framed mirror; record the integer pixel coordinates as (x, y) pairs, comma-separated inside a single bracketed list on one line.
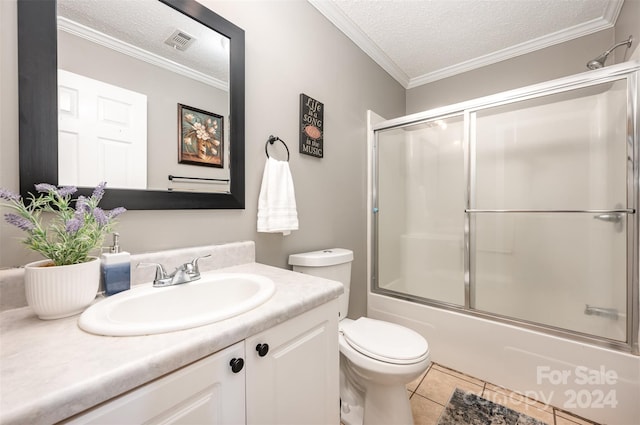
[(193, 145)]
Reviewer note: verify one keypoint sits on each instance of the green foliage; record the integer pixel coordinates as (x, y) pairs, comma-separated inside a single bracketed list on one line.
[(70, 229)]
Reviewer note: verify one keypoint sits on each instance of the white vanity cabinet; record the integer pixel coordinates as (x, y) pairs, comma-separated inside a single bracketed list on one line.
[(292, 371), (295, 381), (205, 392)]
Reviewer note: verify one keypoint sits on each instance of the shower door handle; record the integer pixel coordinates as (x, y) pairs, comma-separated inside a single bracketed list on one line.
[(615, 218), (611, 217)]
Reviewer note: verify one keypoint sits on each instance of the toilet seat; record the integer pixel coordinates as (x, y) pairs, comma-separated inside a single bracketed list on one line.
[(386, 342)]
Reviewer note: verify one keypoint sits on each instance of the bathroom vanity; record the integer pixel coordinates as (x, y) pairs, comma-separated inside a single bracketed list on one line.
[(277, 363), (277, 376)]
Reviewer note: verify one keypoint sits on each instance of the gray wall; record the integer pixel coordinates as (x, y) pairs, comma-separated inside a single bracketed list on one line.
[(628, 23), (290, 49), (546, 64)]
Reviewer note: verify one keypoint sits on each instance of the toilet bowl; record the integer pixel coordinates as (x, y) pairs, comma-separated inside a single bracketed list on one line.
[(377, 358)]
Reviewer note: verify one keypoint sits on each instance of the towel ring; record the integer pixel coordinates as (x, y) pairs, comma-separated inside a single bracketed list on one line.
[(272, 140)]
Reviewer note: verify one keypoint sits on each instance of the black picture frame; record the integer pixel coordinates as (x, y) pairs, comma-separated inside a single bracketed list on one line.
[(200, 137), (38, 120)]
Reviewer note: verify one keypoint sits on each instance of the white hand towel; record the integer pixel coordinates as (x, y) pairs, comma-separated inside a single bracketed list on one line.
[(277, 202)]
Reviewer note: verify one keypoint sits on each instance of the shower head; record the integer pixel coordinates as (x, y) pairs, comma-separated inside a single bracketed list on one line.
[(600, 60)]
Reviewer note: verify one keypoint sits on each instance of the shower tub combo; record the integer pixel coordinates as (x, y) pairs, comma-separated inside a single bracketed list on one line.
[(505, 230)]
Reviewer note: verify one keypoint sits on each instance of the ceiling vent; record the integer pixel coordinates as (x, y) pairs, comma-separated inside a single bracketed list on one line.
[(180, 40)]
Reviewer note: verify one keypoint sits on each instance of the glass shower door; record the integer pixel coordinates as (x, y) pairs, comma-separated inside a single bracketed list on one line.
[(520, 207), (549, 210), (420, 210)]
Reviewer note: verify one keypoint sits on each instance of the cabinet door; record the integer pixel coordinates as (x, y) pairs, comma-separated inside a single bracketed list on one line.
[(205, 392), (297, 380)]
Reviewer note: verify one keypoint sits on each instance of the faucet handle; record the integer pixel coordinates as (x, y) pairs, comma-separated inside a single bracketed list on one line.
[(194, 264), (161, 273)]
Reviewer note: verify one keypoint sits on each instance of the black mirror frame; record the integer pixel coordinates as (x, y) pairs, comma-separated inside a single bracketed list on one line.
[(38, 117)]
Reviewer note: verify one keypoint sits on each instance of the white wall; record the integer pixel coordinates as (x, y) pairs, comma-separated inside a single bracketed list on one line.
[(290, 49)]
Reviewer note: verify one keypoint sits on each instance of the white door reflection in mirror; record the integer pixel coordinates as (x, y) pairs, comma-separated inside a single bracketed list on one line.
[(102, 133)]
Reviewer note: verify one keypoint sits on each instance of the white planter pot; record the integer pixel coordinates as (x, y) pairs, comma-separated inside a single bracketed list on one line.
[(54, 292)]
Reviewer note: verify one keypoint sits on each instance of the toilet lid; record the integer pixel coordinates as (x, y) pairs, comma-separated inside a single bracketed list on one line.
[(386, 341)]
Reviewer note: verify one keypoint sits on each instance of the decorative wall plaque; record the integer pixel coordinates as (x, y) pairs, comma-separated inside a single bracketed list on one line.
[(311, 126)]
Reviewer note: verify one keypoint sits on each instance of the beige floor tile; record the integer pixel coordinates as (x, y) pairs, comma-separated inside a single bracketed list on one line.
[(563, 421), (519, 397), (431, 391), (564, 418), (458, 374), (425, 412), (438, 386), (517, 403)]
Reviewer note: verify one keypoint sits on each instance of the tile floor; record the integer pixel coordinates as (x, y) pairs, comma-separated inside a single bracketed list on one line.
[(430, 393)]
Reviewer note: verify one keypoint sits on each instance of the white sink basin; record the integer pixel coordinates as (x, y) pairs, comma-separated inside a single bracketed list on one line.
[(146, 310)]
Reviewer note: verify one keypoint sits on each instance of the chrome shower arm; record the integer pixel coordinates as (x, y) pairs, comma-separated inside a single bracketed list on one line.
[(600, 60), (628, 42)]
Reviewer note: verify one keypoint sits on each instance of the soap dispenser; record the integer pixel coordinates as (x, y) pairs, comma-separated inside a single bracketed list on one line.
[(116, 268)]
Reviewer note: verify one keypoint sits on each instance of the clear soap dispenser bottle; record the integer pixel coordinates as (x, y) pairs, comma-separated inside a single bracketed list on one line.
[(116, 268)]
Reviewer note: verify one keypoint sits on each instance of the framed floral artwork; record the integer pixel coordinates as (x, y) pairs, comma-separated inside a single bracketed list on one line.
[(200, 136)]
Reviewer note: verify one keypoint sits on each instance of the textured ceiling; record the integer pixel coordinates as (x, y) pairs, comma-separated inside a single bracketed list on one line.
[(415, 41), (145, 25), (418, 41)]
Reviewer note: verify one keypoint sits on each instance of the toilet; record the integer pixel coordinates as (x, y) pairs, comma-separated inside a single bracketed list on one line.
[(377, 358)]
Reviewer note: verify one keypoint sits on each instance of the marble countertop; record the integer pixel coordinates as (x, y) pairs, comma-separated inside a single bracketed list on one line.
[(51, 370)]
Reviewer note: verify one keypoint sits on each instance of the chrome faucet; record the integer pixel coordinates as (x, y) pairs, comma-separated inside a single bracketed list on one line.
[(188, 272)]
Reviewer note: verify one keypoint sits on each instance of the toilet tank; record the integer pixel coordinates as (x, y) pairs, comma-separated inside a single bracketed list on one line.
[(334, 264)]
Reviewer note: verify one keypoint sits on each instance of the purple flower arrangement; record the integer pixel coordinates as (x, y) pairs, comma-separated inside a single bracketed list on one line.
[(77, 227)]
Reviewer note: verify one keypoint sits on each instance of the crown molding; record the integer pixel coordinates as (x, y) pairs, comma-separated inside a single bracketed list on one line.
[(335, 15), (105, 40), (605, 22), (613, 11)]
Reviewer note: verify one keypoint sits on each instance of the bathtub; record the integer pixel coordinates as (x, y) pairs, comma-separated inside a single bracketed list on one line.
[(597, 383)]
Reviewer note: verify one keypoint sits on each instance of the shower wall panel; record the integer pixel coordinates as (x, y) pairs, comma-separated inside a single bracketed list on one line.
[(559, 153)]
